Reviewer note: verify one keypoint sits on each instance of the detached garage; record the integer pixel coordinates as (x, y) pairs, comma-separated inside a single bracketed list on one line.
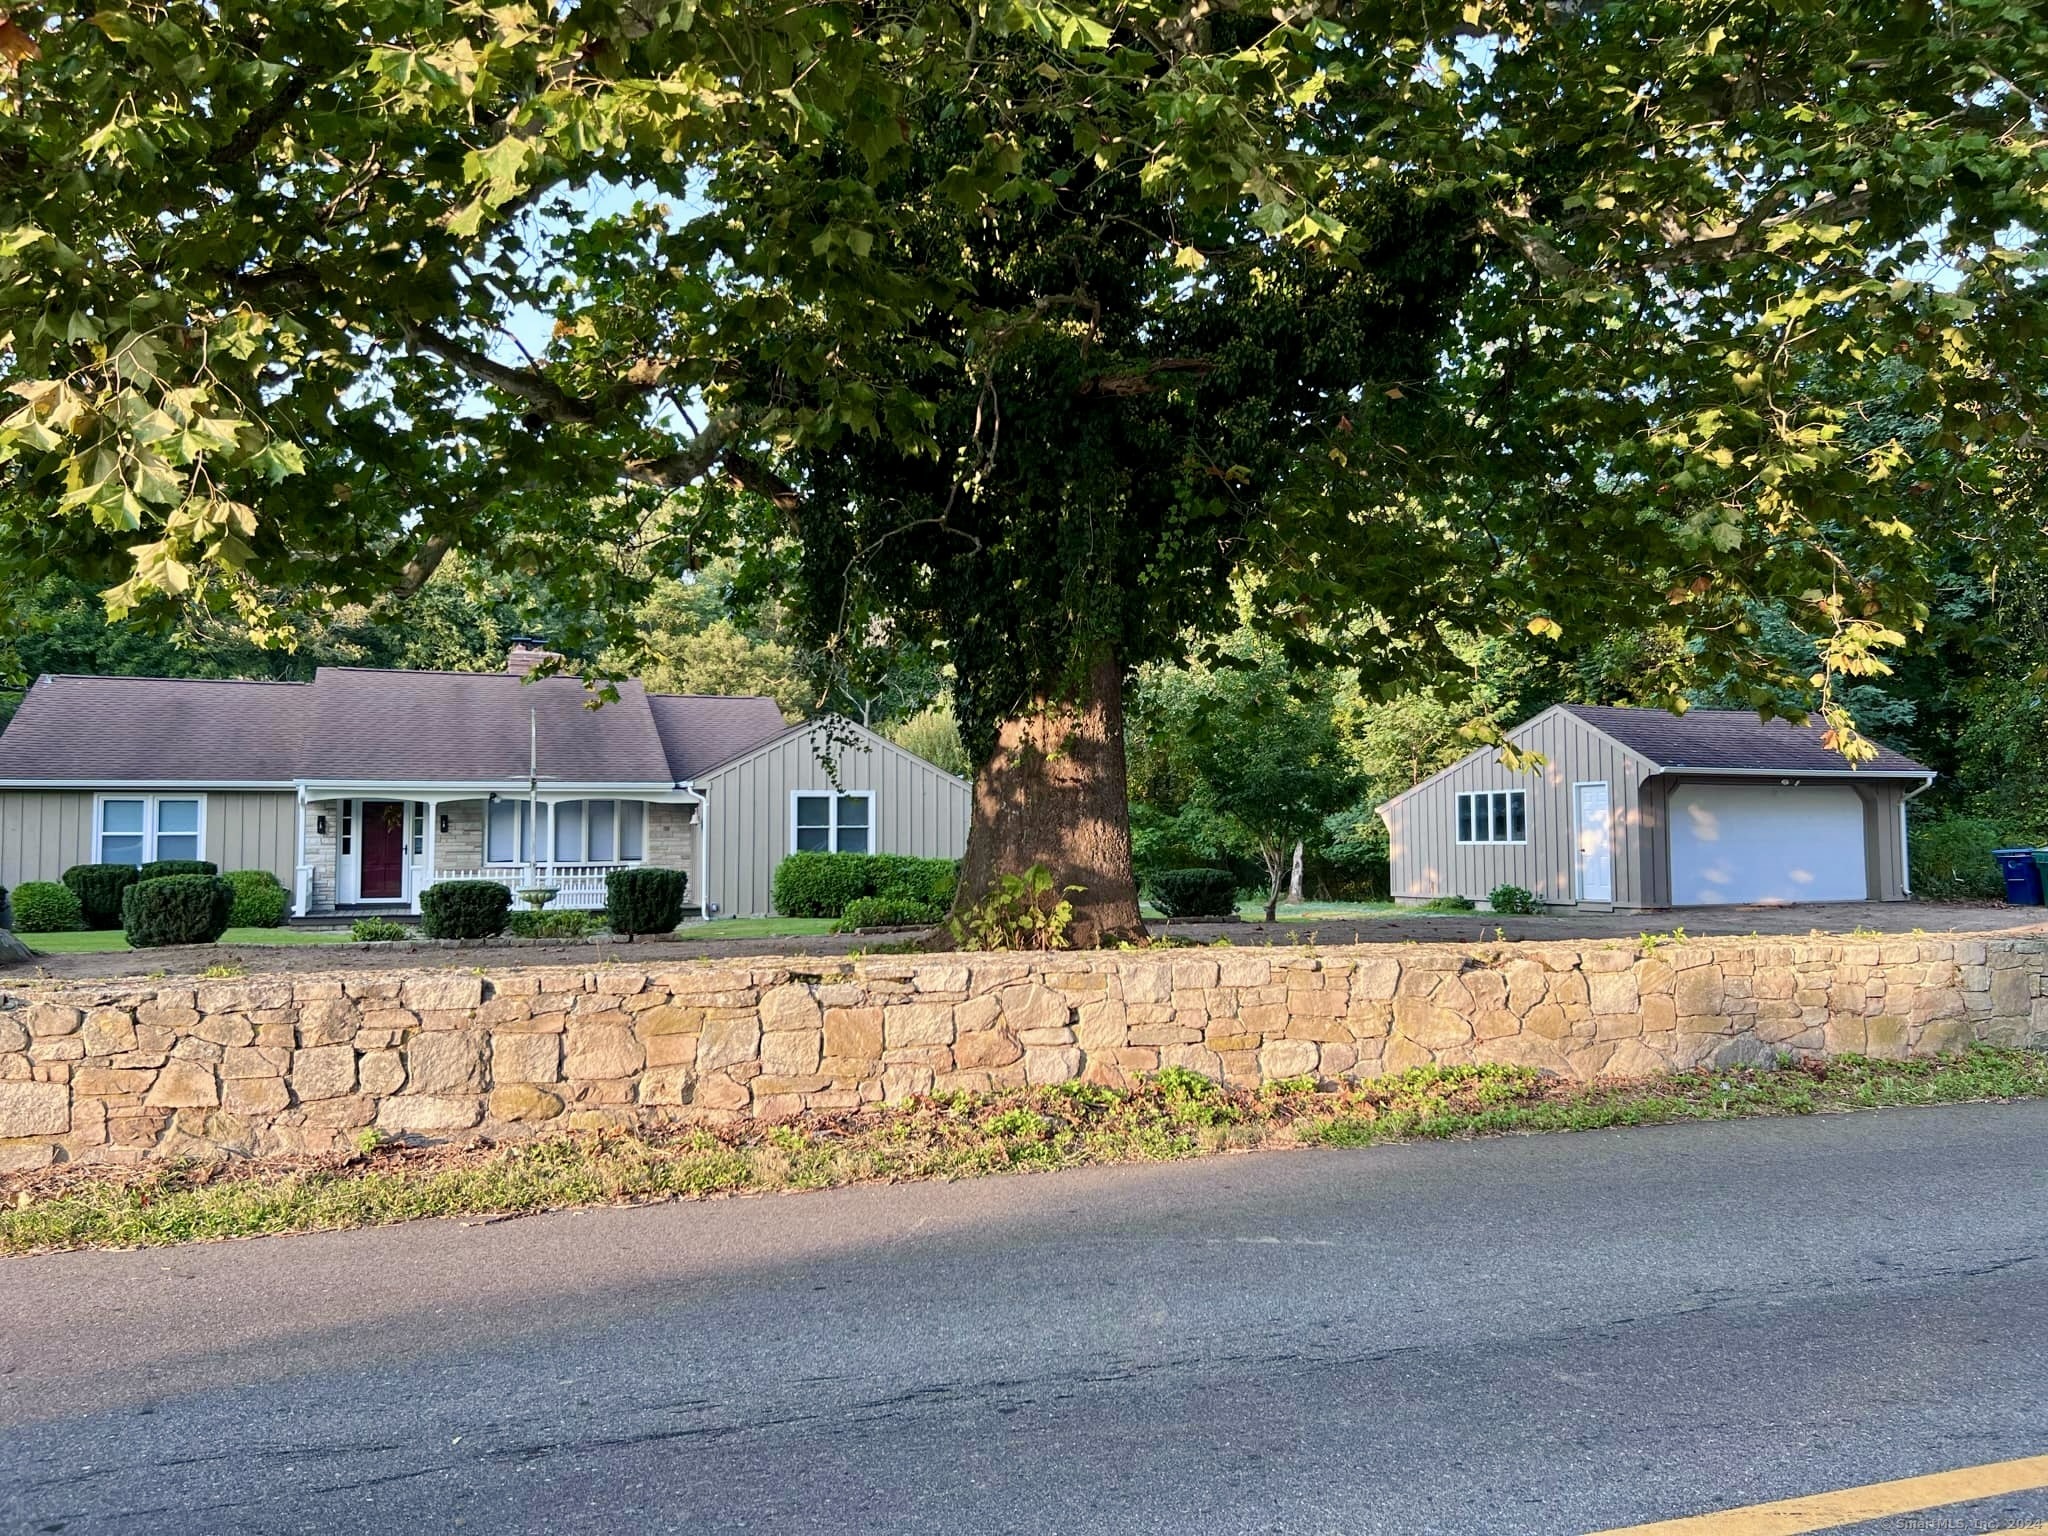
[(1638, 808)]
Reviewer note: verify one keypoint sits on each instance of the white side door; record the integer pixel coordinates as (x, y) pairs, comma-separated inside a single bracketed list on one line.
[(1595, 841)]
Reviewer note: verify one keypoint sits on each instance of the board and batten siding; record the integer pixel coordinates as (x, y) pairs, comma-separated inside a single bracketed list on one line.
[(918, 809), (252, 829), (1426, 858), (43, 832)]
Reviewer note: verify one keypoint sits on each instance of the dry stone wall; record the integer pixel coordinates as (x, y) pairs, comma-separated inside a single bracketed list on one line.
[(264, 1065)]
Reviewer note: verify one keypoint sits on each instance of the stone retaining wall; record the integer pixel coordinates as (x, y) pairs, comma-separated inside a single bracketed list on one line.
[(258, 1065)]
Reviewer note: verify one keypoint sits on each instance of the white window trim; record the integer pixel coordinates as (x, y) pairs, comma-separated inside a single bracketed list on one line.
[(834, 796), (1492, 842), (149, 829)]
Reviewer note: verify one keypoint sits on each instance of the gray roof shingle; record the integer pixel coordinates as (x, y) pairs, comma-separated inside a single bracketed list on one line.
[(460, 726), (1730, 739), (162, 730), (363, 724), (700, 731)]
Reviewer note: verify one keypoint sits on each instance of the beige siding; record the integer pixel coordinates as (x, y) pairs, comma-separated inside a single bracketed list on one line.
[(252, 830), (43, 832), (918, 810), (1428, 860), (1888, 874)]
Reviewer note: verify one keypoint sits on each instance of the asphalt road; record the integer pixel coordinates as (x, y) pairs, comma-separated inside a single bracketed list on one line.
[(1552, 1334)]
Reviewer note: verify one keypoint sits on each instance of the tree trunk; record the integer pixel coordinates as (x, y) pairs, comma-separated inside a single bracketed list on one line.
[(1054, 793), (1275, 856), (1294, 881)]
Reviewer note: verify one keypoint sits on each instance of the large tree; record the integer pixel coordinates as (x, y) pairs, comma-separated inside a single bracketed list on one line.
[(1030, 327)]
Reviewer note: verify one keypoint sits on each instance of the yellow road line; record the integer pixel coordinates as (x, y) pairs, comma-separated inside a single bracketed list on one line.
[(1874, 1501)]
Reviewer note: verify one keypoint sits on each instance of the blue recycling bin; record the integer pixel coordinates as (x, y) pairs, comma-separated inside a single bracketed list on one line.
[(2022, 876)]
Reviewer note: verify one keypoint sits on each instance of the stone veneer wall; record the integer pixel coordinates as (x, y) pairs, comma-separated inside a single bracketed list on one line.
[(261, 1065)]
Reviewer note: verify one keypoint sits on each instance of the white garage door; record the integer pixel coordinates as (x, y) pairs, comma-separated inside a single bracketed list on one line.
[(1766, 842)]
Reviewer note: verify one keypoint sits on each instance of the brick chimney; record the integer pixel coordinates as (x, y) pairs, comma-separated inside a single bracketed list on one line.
[(528, 652)]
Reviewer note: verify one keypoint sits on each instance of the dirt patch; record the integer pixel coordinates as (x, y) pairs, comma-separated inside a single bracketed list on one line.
[(1401, 928)]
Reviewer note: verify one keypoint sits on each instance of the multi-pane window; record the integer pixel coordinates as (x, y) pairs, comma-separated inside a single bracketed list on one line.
[(1493, 816), (827, 823), (136, 829), (419, 826), (571, 832)]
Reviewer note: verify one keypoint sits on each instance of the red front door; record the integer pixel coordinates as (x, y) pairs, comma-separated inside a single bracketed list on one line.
[(383, 850)]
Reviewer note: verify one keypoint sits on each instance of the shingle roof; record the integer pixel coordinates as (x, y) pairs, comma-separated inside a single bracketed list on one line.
[(1730, 739), (359, 723), (700, 731), (127, 730)]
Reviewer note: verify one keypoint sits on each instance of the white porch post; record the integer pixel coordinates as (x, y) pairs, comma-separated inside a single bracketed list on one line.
[(426, 872), (302, 895)]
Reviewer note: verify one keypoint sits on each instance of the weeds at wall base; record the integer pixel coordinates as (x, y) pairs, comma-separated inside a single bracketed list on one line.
[(1171, 1116)]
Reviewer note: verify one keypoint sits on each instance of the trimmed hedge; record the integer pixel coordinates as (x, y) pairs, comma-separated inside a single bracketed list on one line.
[(46, 906), (887, 912), (1195, 892), (99, 889), (823, 884), (261, 901), (176, 909), (160, 869), (644, 900), (464, 909)]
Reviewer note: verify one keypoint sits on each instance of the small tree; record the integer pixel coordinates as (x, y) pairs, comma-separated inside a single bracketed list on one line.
[(1264, 743)]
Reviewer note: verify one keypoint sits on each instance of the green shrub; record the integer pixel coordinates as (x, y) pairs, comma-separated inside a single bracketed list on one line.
[(931, 881), (819, 884), (99, 888), (261, 901), (644, 900), (377, 930), (176, 909), (1027, 911), (160, 869), (1951, 858), (464, 909), (1513, 900), (46, 906), (568, 923), (1195, 892), (1448, 904), (822, 884), (887, 912)]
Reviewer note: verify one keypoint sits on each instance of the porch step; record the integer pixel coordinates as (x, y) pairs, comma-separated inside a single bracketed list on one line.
[(351, 913)]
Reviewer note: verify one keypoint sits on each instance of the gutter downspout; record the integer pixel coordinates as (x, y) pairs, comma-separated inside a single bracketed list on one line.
[(1905, 840), (703, 850)]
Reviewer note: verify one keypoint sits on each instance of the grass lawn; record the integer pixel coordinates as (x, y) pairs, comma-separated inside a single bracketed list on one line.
[(111, 940), (1173, 1115), (754, 928), (1319, 911)]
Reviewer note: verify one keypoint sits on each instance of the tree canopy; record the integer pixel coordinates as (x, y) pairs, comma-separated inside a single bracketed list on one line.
[(1018, 333)]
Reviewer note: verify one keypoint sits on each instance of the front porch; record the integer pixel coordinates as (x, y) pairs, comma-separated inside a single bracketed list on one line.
[(382, 848)]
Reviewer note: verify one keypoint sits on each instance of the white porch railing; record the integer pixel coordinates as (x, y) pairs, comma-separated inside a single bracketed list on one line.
[(578, 887)]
